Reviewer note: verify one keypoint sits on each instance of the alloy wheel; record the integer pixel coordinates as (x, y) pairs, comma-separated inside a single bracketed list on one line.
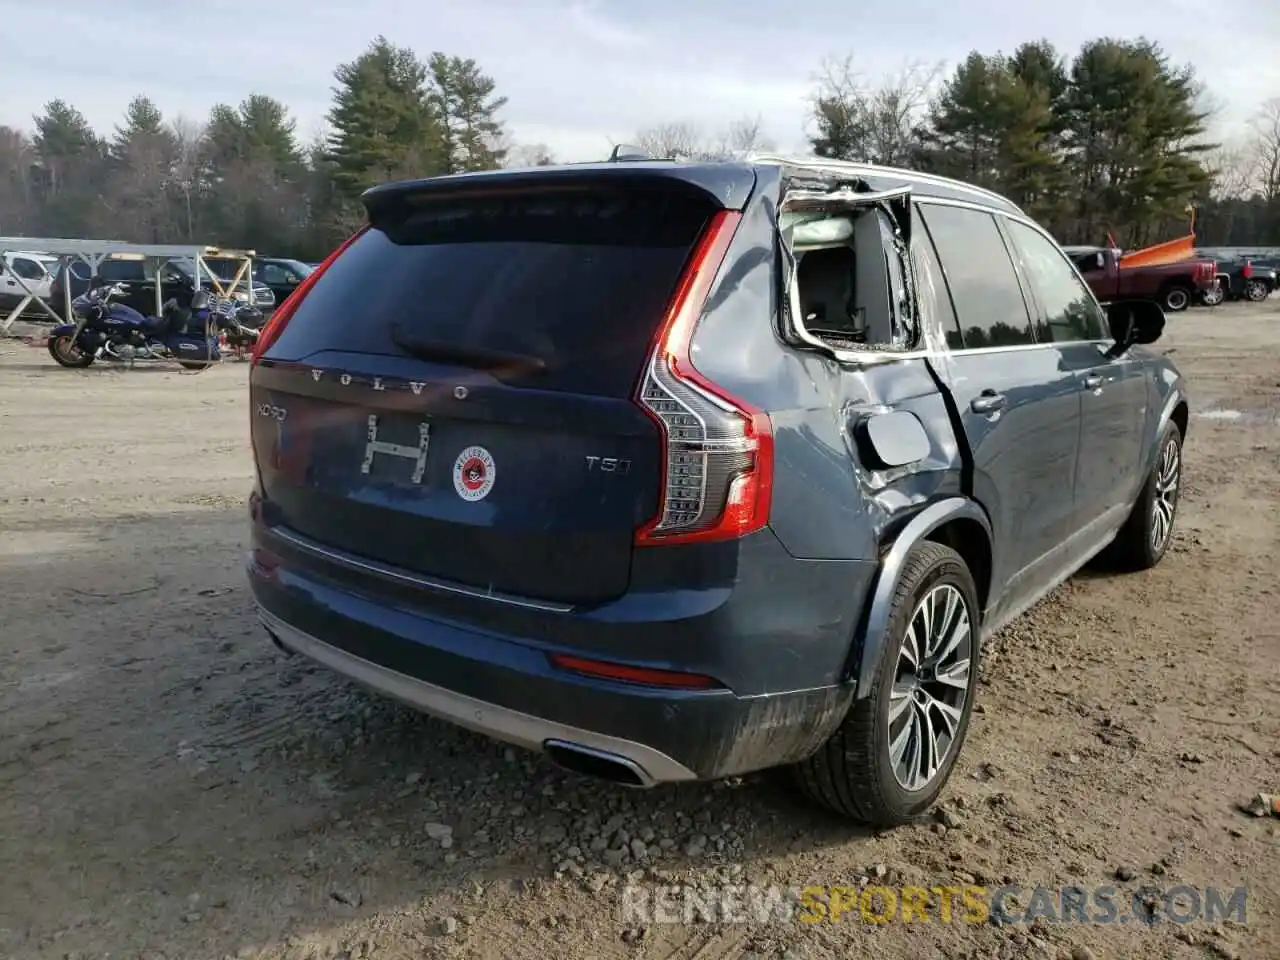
[(931, 687), (1214, 295), (1165, 504), (1256, 290)]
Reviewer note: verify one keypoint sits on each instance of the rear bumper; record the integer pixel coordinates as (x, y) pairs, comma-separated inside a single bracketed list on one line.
[(506, 687), (501, 723)]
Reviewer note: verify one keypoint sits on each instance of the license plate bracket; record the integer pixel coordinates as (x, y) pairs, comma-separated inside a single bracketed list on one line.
[(417, 453)]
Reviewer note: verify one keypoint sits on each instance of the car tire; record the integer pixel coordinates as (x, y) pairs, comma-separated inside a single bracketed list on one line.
[(1213, 296), (1146, 535), (1257, 290), (863, 771), (1176, 298)]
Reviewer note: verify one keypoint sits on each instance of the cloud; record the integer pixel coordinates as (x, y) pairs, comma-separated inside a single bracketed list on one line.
[(578, 74), (586, 21)]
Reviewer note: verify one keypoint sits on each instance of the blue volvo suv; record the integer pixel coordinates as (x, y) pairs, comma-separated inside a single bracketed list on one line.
[(677, 471)]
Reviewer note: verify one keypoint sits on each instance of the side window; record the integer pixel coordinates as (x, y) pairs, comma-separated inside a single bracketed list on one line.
[(121, 271), (1070, 312), (1086, 262), (27, 269), (933, 288), (851, 281), (273, 274), (980, 275)]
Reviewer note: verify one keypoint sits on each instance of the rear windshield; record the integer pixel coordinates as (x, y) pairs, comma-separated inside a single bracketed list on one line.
[(578, 279)]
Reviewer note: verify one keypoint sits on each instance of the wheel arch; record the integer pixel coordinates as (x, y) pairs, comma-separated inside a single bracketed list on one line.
[(956, 522), (1181, 415), (1176, 283)]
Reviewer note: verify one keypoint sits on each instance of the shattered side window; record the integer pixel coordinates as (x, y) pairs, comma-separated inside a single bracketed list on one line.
[(851, 280)]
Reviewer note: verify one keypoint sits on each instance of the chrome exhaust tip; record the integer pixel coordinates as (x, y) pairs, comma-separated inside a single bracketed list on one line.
[(599, 764)]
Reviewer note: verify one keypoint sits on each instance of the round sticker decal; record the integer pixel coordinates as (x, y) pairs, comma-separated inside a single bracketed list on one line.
[(474, 473)]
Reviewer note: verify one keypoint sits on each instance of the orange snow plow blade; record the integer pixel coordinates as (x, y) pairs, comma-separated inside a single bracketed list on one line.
[(1171, 251)]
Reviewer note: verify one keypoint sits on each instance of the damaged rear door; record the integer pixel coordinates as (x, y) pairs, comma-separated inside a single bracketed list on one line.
[(850, 295)]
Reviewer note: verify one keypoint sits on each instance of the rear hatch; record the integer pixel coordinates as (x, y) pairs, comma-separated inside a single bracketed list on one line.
[(453, 395)]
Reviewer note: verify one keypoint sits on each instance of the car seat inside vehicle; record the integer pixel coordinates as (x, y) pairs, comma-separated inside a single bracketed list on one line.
[(825, 278), (844, 288)]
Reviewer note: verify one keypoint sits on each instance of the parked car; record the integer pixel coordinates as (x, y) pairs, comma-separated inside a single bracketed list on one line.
[(678, 471), (281, 275), (176, 279), (23, 273), (1244, 278), (263, 297), (1176, 285)]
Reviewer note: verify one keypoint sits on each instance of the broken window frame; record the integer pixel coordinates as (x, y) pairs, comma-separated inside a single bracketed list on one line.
[(808, 195)]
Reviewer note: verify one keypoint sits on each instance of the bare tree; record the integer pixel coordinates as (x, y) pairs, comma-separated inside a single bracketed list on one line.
[(135, 202), (1264, 150), (677, 139), (527, 155), (686, 141), (871, 122), (187, 178), (17, 198), (744, 136), (1233, 170)]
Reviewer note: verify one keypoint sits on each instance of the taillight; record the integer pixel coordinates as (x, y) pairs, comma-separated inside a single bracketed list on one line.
[(717, 462), (1248, 269), (289, 305)]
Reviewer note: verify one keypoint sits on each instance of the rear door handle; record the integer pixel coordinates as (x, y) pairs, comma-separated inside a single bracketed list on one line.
[(988, 402), (1092, 381)]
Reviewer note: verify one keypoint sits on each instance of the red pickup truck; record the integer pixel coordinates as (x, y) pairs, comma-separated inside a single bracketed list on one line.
[(1175, 285)]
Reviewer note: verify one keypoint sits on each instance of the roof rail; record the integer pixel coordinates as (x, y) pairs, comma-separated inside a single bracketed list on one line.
[(852, 166)]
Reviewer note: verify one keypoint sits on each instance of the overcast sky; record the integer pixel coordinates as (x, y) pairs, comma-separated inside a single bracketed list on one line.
[(582, 74)]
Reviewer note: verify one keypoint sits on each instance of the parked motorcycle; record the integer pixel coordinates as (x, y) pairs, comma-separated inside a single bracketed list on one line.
[(238, 323), (107, 330)]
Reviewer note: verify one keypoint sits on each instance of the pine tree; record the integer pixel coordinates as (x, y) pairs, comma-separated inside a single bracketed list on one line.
[(255, 174), (1134, 137), (70, 157), (383, 125), (462, 98), (964, 131), (135, 204), (268, 131)]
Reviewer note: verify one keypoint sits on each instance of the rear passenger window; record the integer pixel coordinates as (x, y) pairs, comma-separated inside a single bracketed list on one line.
[(980, 275), (1070, 312)]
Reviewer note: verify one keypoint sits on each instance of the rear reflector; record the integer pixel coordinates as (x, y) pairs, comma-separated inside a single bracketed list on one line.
[(265, 563), (637, 675), (717, 469)]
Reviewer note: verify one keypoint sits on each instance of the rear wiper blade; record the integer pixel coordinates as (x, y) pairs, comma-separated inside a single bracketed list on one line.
[(478, 358)]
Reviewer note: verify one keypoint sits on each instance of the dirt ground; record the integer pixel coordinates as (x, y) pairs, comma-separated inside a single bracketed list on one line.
[(172, 787)]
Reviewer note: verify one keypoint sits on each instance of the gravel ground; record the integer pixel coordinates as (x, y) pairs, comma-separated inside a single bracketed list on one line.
[(171, 786)]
